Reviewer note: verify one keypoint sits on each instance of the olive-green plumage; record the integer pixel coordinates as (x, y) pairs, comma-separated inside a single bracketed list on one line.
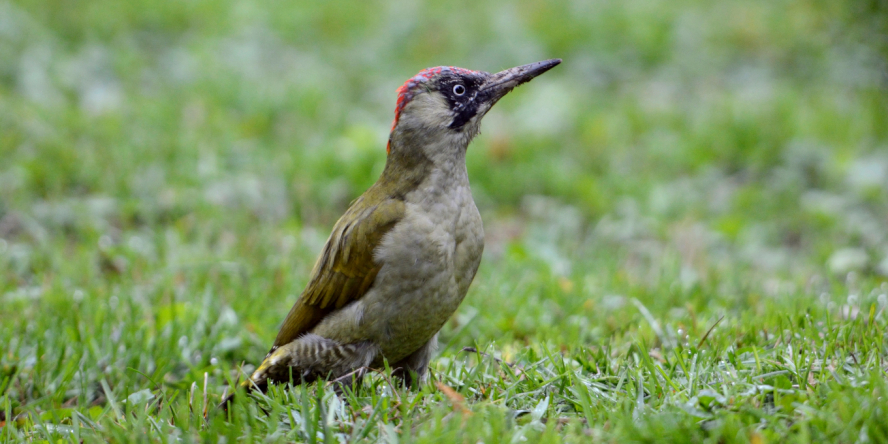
[(401, 259)]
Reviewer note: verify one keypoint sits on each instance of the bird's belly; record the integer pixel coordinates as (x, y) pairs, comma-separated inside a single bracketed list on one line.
[(413, 318), (415, 292), (427, 268), (397, 319)]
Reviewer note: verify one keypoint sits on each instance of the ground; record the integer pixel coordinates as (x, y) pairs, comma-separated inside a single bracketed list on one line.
[(685, 220)]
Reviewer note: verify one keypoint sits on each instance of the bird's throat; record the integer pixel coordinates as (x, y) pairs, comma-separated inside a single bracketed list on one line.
[(409, 168)]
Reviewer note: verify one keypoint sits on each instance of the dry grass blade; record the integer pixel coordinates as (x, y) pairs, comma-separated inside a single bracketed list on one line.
[(457, 400), (703, 339)]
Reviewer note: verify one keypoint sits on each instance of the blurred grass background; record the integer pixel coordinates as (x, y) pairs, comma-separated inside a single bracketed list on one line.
[(169, 171)]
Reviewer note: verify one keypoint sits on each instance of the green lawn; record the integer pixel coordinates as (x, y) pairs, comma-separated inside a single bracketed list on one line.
[(687, 221)]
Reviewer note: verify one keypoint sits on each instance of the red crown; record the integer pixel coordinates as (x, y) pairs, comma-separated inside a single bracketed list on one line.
[(405, 92)]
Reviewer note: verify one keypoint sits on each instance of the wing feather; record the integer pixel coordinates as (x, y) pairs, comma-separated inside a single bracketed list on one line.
[(346, 269)]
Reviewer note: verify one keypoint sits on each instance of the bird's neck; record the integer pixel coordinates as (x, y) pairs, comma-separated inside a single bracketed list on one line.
[(408, 169)]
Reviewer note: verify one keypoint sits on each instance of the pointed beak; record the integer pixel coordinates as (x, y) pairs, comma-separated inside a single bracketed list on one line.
[(501, 83)]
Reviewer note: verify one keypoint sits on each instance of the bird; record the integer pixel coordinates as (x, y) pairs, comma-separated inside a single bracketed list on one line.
[(400, 260)]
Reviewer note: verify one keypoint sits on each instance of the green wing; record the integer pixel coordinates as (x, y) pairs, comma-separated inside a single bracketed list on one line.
[(346, 268)]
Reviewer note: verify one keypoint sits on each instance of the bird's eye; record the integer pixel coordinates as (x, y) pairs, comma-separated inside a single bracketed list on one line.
[(459, 90)]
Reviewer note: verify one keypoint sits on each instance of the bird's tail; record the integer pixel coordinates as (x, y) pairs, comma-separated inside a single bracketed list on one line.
[(304, 360)]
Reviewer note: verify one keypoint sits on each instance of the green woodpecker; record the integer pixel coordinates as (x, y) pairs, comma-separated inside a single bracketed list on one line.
[(402, 257)]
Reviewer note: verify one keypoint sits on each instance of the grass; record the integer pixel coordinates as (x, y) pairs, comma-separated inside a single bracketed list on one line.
[(685, 220)]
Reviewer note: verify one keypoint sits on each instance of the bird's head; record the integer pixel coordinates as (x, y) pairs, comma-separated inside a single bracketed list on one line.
[(439, 110)]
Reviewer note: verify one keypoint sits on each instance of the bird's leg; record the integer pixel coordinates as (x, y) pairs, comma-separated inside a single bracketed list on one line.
[(414, 368)]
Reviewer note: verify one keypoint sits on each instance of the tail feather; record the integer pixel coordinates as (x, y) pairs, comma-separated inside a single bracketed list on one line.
[(306, 359)]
